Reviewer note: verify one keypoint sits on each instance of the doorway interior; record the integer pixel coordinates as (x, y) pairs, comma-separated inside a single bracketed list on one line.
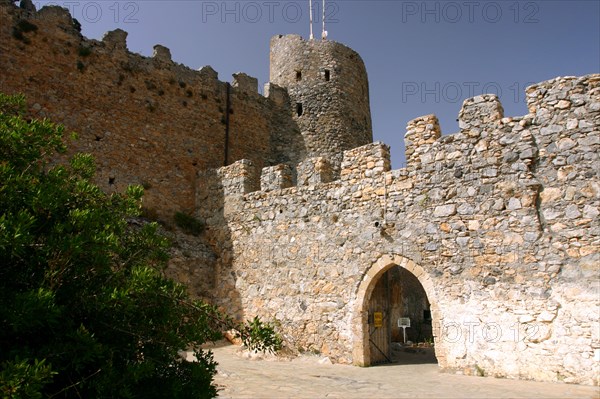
[(399, 320)]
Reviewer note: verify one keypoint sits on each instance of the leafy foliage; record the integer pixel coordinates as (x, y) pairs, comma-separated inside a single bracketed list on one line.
[(260, 336), (188, 223), (84, 308), (84, 51), (22, 378)]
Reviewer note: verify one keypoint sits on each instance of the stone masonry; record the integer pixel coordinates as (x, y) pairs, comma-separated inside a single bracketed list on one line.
[(148, 121), (499, 222)]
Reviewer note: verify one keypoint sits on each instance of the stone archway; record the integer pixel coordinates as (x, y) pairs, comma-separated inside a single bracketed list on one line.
[(360, 335)]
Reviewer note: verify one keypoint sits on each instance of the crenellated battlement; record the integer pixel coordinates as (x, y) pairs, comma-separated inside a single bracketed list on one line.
[(239, 178), (488, 146), (367, 162), (314, 171), (421, 133), (479, 114), (148, 120), (277, 94), (116, 42), (562, 93), (245, 83), (276, 177)]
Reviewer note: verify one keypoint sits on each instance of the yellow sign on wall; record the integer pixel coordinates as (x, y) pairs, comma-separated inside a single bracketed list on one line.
[(378, 319)]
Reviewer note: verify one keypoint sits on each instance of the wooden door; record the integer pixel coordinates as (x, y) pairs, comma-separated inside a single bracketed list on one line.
[(380, 336)]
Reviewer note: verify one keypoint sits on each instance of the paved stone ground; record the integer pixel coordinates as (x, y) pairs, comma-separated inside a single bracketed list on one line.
[(304, 377)]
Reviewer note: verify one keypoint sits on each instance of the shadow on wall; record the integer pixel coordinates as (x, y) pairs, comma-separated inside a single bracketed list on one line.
[(287, 143), (212, 209)]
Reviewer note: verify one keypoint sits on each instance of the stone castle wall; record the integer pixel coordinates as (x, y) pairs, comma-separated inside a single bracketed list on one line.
[(499, 223), (154, 122), (147, 121)]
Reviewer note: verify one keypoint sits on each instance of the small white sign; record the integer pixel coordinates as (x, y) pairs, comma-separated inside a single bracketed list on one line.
[(404, 322)]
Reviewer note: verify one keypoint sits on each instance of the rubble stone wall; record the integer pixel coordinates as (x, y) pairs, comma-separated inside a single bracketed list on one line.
[(499, 222), (147, 121)]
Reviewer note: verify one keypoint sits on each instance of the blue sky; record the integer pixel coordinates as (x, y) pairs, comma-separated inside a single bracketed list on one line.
[(422, 57)]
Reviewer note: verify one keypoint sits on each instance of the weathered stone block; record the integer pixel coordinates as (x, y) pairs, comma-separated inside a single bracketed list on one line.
[(208, 72), (371, 161), (276, 178), (239, 178), (277, 94), (161, 53), (314, 171), (420, 134), (444, 210), (115, 39), (245, 83), (480, 112)]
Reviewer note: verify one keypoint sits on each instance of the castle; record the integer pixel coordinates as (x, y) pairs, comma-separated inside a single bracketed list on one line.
[(488, 240)]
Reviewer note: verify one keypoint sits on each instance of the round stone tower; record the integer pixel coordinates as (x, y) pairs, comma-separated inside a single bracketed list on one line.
[(329, 94)]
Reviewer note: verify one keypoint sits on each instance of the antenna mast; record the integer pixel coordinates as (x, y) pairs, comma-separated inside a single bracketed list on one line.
[(324, 34), (311, 19)]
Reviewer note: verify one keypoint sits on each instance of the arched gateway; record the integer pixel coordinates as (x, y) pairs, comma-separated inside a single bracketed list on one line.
[(361, 348)]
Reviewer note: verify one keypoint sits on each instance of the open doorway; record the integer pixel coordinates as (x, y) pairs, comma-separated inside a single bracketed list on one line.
[(410, 315), (363, 313), (399, 320)]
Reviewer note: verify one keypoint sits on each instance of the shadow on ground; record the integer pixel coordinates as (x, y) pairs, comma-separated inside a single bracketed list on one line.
[(402, 354)]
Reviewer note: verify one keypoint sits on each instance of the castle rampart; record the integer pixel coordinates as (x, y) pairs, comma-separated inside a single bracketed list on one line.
[(507, 250), (148, 121)]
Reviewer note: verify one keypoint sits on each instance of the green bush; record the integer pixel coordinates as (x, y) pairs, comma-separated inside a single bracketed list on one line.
[(84, 51), (188, 223), (260, 336), (23, 378), (84, 308)]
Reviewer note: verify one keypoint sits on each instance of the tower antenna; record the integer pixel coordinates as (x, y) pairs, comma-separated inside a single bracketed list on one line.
[(324, 34), (311, 19)]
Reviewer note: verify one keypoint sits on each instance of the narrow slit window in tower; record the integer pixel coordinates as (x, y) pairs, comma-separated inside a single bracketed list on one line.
[(327, 75), (299, 110), (298, 76)]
